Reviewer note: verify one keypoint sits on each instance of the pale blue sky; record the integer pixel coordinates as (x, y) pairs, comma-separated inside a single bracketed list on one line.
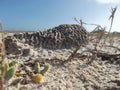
[(44, 14)]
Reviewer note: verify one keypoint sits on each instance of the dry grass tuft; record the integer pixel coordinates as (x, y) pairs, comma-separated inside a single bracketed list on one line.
[(100, 35), (2, 48)]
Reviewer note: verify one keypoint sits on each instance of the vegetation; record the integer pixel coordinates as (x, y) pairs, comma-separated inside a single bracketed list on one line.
[(8, 69), (100, 34)]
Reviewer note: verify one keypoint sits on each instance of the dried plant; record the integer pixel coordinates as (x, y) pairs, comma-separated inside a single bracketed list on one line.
[(110, 18), (77, 46), (99, 36), (7, 70)]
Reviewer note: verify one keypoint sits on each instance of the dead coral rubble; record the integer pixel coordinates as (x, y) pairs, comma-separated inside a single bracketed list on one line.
[(63, 36)]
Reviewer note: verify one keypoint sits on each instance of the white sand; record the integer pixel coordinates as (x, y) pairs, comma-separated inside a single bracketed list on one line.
[(74, 75)]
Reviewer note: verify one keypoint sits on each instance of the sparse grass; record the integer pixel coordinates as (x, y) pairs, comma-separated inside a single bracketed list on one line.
[(100, 35), (7, 70), (92, 36)]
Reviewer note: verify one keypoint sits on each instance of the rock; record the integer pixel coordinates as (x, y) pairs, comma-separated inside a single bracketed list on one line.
[(11, 46), (60, 37), (25, 52)]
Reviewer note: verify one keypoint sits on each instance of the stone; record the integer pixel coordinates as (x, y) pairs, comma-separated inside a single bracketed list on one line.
[(25, 52), (11, 47), (60, 37)]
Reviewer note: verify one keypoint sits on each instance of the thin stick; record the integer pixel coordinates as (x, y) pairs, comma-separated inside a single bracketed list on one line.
[(77, 46), (112, 18), (72, 55)]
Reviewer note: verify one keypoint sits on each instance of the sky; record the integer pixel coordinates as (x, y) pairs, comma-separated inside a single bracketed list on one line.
[(45, 14)]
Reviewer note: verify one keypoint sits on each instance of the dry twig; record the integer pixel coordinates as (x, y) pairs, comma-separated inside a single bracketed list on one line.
[(77, 46), (110, 18)]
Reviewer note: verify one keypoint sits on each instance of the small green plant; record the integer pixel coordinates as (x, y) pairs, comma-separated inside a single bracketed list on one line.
[(39, 73), (45, 69), (37, 68), (10, 70), (7, 70)]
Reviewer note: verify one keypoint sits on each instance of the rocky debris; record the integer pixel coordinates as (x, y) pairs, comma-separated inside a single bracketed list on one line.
[(25, 52), (11, 46), (63, 36)]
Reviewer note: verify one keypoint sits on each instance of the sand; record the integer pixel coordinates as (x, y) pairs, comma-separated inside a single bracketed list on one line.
[(76, 74)]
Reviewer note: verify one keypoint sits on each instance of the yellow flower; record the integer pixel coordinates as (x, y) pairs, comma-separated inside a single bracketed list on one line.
[(18, 74), (37, 78)]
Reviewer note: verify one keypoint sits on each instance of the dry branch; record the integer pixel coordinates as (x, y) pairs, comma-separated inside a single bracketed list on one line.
[(72, 55), (110, 18), (77, 46)]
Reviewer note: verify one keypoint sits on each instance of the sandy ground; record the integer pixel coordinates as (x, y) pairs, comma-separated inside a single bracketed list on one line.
[(77, 74)]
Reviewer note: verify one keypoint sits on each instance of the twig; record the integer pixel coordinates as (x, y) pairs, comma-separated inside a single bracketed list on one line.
[(112, 18), (77, 46), (72, 55)]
